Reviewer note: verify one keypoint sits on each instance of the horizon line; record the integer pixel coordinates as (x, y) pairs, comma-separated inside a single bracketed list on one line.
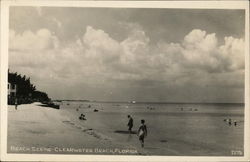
[(163, 102)]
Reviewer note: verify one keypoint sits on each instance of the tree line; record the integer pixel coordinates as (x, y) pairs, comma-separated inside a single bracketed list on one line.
[(25, 91)]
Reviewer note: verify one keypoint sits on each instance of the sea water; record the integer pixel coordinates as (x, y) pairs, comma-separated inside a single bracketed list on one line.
[(173, 128)]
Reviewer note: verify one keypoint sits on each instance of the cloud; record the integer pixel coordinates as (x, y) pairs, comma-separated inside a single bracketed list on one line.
[(200, 51), (96, 59), (232, 52), (100, 45), (198, 39), (57, 22), (41, 40), (135, 54)]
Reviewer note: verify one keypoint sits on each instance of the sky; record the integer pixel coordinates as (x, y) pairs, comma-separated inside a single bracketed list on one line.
[(126, 54)]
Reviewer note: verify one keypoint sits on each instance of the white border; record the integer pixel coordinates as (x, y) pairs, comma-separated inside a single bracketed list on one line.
[(132, 4), (116, 4), (4, 65)]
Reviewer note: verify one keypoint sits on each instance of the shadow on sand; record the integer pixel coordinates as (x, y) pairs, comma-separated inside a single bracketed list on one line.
[(152, 148), (50, 106), (125, 132)]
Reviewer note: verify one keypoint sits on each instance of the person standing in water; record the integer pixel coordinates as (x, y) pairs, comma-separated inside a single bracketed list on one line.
[(142, 132), (130, 124)]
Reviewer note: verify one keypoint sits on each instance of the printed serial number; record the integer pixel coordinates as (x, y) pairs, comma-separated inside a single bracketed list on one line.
[(236, 152)]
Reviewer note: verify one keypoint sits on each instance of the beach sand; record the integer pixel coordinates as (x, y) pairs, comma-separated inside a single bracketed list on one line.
[(37, 129)]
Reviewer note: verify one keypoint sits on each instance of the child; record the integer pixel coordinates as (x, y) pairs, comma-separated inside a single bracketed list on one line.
[(142, 132)]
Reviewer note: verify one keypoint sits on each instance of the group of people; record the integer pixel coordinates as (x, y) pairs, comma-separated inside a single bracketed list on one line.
[(230, 122), (82, 117), (142, 131)]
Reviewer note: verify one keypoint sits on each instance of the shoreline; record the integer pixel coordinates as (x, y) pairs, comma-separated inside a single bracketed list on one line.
[(49, 130), (35, 129)]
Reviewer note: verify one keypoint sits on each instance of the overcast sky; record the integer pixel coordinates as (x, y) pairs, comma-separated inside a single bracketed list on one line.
[(160, 55)]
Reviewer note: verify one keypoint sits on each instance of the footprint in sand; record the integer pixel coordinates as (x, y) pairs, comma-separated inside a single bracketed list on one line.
[(94, 134), (65, 121), (68, 122), (89, 131), (84, 130), (78, 127)]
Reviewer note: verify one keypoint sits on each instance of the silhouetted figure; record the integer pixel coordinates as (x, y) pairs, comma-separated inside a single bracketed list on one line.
[(235, 123), (142, 132), (130, 124), (230, 122), (82, 117), (16, 104)]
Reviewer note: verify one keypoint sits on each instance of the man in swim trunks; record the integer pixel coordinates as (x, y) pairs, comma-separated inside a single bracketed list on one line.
[(142, 132), (130, 124)]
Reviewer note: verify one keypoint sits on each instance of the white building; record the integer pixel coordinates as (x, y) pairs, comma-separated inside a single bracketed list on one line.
[(12, 88)]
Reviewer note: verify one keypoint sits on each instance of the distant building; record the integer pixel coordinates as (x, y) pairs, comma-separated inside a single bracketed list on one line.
[(12, 89)]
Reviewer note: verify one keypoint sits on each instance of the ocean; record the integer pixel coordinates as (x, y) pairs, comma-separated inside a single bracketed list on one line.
[(173, 128)]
